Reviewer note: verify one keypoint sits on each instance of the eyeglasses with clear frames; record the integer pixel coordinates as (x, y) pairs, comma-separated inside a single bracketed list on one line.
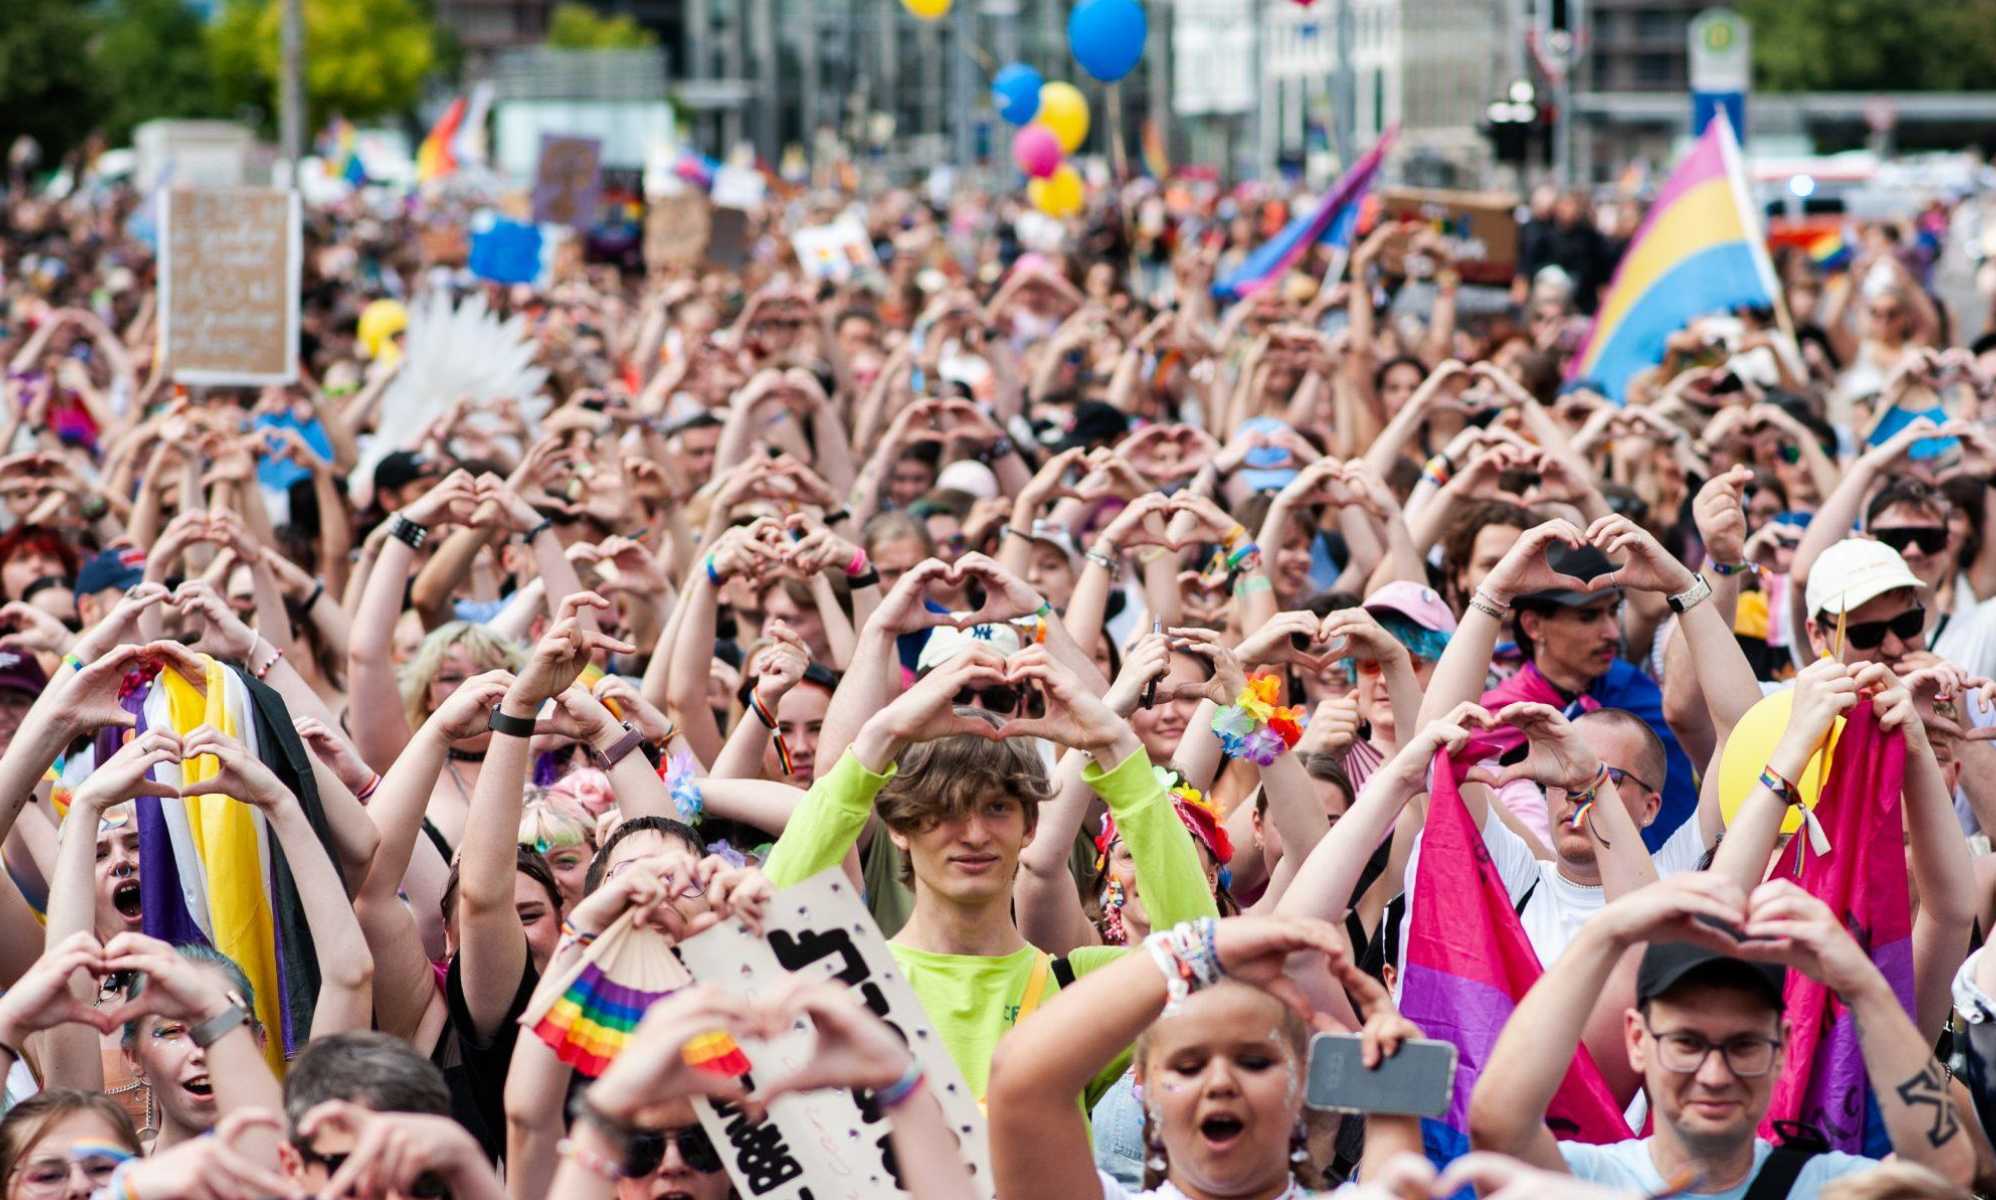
[(1748, 1056), (44, 1178)]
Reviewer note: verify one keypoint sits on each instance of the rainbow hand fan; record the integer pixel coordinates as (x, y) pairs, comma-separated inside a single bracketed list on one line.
[(586, 1014)]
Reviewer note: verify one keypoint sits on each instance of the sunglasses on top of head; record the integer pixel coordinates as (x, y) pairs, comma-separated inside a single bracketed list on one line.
[(1931, 539), (1867, 635)]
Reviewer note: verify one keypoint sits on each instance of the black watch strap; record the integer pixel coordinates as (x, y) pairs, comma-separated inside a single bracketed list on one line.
[(620, 749), (511, 726)]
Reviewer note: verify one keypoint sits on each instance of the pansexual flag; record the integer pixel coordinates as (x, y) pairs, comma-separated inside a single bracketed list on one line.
[(1331, 222), (1699, 251), (1823, 1081), (1468, 963)]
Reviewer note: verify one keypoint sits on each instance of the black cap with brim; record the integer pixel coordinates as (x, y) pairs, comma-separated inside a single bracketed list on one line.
[(1665, 965), (1583, 563)]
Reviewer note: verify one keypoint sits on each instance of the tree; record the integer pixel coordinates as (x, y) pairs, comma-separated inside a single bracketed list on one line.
[(363, 58), (150, 57), (1872, 45), (580, 27), (48, 89)]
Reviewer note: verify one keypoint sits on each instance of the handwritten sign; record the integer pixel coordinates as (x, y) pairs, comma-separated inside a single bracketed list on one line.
[(228, 284), (568, 182), (676, 231), (824, 1145), (1477, 227)]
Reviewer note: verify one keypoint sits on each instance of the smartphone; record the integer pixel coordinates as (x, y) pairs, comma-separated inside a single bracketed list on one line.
[(1419, 1080)]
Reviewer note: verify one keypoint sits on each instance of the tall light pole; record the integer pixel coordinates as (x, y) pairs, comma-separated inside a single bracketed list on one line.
[(291, 90)]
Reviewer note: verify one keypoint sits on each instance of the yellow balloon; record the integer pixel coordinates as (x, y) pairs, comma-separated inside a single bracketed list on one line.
[(1059, 194), (1746, 754), (927, 10), (1064, 110)]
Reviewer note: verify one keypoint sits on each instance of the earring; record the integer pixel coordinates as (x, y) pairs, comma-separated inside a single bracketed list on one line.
[(1154, 1157), (1299, 1144)]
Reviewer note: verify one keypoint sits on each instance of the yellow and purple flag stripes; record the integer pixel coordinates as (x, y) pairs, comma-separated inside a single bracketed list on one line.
[(1699, 251)]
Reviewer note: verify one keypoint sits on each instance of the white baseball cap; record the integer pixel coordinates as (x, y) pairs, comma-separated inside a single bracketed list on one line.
[(1854, 572), (947, 641)]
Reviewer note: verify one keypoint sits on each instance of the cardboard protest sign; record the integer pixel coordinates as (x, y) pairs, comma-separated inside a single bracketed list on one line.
[(228, 284), (728, 241), (824, 1145), (676, 230), (568, 181), (836, 251), (1480, 228)]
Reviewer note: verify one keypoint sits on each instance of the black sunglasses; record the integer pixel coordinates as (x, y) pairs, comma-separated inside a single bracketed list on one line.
[(648, 1151), (1620, 777), (1931, 539), (426, 1187), (1866, 635)]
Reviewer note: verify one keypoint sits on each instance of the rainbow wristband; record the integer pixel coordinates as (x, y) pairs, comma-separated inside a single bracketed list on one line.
[(72, 662), (1729, 568), (895, 1094), (762, 713), (1241, 554), (713, 576)]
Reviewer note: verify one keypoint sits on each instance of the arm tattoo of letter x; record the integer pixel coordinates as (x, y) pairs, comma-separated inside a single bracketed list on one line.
[(1929, 1087)]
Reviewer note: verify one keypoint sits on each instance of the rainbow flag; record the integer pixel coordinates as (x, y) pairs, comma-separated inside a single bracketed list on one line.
[(437, 156), (1830, 251), (1699, 251), (1468, 964), (1823, 1081), (1331, 222)]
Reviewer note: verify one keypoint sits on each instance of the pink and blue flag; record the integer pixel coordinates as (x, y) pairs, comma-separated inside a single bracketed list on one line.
[(1331, 223), (1823, 1082), (1700, 251), (1467, 965)]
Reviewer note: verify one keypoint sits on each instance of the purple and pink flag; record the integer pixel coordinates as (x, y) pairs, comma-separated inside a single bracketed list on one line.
[(1823, 1082), (1468, 963)]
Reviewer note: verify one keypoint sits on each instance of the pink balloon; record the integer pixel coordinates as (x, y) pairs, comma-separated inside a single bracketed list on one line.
[(1036, 150)]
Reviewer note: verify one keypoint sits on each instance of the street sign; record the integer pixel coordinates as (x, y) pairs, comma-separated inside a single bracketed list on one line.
[(1720, 43)]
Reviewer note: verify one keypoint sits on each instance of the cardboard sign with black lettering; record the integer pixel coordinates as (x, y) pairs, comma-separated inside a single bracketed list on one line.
[(228, 284), (568, 182), (1479, 228), (830, 1145)]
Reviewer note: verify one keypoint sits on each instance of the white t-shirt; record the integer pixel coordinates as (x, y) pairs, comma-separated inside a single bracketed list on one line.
[(1967, 635), (1111, 1190), (1627, 1167), (1553, 915)]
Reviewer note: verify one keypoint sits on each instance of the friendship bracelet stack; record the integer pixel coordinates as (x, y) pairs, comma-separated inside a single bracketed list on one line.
[(1257, 728), (1787, 793), (1187, 957)]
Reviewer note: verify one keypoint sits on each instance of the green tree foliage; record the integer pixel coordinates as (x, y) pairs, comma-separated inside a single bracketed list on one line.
[(364, 58), (580, 27), (150, 60), (48, 86), (1872, 45)]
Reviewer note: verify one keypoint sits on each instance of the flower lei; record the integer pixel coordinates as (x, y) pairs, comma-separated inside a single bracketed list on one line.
[(682, 782), (1256, 727)]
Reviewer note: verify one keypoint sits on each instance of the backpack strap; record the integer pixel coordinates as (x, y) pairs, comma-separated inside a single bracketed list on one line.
[(1519, 907), (1063, 971), (1777, 1175)]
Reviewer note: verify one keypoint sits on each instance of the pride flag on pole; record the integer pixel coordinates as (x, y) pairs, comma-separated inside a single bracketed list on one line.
[(437, 156), (1699, 251), (1330, 222), (1468, 964), (1823, 1082)]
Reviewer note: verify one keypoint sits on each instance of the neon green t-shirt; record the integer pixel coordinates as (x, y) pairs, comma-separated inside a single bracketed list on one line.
[(973, 999)]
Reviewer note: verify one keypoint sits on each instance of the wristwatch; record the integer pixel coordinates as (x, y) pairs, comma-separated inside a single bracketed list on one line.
[(215, 1028), (619, 750), (1691, 597)]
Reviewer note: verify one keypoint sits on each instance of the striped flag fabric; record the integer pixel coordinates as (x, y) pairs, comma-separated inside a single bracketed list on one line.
[(1331, 222)]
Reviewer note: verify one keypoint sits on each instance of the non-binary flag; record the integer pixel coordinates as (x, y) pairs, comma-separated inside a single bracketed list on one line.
[(1331, 222), (1863, 878), (1467, 965), (1700, 251)]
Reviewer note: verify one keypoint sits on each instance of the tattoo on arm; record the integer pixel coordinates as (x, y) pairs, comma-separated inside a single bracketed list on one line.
[(1929, 1088)]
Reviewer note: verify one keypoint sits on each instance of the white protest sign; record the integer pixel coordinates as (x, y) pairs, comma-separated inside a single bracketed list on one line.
[(824, 1145), (835, 251), (737, 187), (228, 284)]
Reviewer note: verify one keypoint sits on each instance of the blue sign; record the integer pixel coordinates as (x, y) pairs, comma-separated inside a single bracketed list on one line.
[(1705, 104)]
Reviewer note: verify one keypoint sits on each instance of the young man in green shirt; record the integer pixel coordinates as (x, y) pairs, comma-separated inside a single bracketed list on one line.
[(958, 791)]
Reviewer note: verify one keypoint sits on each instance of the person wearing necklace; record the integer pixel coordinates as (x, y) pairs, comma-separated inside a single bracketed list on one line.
[(1220, 1061)]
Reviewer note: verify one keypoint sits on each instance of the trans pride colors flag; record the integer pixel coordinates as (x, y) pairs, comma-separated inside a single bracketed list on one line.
[(1700, 251), (1823, 1081), (1468, 963), (1332, 221)]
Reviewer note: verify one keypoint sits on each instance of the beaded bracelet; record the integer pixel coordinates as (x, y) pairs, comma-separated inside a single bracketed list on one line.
[(1255, 727), (1482, 602), (591, 1160), (276, 653)]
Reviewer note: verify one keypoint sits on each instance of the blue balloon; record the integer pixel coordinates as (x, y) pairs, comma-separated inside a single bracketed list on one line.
[(1107, 37), (1016, 92)]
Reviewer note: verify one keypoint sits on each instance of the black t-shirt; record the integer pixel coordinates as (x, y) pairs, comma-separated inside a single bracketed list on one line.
[(475, 1068)]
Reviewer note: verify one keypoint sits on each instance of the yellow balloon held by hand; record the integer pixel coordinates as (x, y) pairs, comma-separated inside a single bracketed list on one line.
[(1746, 753), (927, 10), (1059, 194), (1064, 111)]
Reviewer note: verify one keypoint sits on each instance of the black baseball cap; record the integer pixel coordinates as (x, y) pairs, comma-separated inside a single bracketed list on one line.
[(122, 568), (1667, 964), (1586, 562), (399, 469)]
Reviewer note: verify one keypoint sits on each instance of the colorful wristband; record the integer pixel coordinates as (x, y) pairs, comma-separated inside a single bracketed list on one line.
[(72, 662)]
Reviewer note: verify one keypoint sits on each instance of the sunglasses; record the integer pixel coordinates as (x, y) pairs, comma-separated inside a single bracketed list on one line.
[(1002, 700), (1931, 539), (1866, 635), (1620, 777), (426, 1187), (695, 1149)]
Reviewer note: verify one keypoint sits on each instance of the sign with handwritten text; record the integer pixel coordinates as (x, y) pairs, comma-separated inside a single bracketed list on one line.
[(568, 181), (228, 284), (830, 1145)]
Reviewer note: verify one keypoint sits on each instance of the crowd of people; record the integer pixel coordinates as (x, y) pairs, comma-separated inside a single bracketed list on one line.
[(1126, 649)]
